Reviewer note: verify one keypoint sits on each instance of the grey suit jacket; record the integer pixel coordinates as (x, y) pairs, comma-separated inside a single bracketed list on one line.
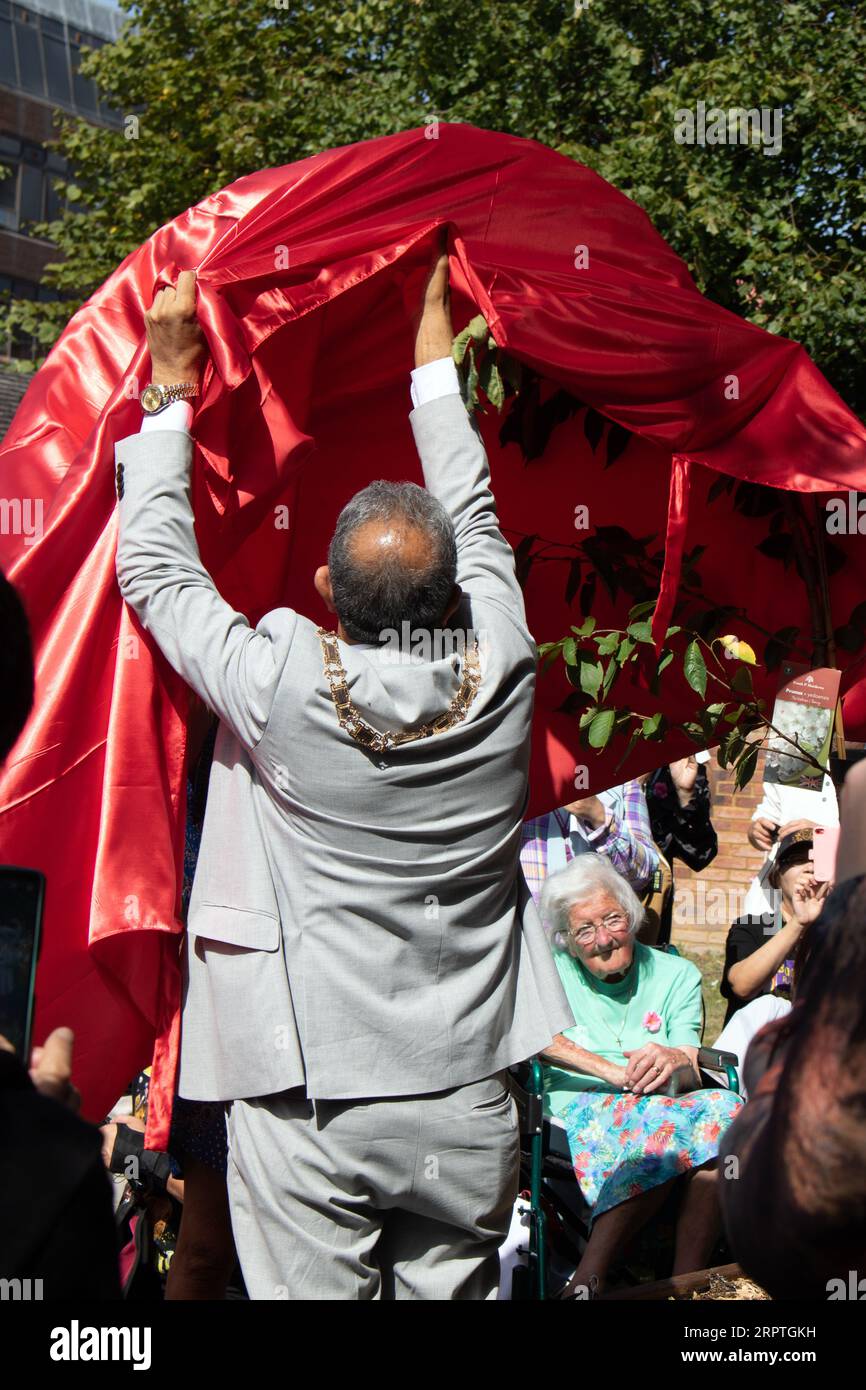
[(358, 921)]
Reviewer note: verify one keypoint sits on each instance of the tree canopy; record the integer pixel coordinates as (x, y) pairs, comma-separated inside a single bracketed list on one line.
[(209, 92)]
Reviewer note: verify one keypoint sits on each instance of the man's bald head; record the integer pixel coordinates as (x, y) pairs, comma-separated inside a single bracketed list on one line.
[(392, 560)]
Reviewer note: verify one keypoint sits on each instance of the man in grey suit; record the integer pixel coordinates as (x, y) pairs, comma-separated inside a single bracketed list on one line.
[(363, 960)]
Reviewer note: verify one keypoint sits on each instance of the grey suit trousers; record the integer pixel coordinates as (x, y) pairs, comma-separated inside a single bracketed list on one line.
[(404, 1197)]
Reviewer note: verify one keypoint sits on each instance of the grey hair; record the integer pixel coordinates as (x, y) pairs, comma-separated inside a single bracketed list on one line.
[(371, 600), (585, 875)]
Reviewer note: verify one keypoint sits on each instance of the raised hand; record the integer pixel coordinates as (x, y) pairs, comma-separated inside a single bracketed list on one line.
[(434, 333), (808, 900), (177, 345), (762, 833), (684, 774)]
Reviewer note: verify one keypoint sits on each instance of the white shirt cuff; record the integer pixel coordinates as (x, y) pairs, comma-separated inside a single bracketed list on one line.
[(433, 380), (176, 416)]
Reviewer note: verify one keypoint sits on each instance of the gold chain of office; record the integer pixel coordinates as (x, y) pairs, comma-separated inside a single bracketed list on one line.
[(378, 742)]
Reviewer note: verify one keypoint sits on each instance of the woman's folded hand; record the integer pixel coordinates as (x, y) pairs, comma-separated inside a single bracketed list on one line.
[(651, 1067)]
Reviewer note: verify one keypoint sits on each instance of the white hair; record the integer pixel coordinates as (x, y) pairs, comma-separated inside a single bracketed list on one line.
[(584, 876)]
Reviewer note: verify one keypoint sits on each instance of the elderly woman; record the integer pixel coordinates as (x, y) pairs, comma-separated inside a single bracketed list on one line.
[(637, 1035)]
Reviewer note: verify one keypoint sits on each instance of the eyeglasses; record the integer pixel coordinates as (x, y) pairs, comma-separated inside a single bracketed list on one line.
[(615, 924)]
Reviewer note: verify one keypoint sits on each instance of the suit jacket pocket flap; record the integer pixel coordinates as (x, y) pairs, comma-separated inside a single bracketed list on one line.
[(236, 926)]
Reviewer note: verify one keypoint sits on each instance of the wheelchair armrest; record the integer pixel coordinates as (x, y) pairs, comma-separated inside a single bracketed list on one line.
[(711, 1059), (714, 1060)]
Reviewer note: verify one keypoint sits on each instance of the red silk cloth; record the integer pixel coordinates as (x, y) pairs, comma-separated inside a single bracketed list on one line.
[(300, 272)]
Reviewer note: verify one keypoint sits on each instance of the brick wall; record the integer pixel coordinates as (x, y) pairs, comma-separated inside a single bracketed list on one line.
[(706, 903)]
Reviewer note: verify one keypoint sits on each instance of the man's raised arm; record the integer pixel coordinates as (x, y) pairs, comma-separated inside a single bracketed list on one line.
[(233, 667), (452, 453)]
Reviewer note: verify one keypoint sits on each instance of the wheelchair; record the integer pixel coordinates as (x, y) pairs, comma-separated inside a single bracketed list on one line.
[(547, 1176)]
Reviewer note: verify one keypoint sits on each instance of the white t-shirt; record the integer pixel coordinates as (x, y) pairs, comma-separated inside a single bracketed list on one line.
[(738, 1032)]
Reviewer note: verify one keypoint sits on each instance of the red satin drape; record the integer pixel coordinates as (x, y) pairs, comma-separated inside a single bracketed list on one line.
[(299, 284)]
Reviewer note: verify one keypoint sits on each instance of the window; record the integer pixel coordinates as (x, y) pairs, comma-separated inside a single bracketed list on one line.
[(8, 71), (30, 208), (29, 59), (52, 200), (9, 199), (83, 89), (56, 68)]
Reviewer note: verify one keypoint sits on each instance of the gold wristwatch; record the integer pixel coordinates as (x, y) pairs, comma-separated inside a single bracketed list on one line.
[(155, 398)]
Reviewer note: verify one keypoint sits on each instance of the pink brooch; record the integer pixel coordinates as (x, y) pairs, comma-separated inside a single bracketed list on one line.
[(651, 1022)]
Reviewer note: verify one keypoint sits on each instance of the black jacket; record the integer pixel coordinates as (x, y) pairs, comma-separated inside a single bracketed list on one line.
[(56, 1218)]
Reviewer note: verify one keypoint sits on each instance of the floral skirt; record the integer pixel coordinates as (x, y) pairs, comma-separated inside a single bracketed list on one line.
[(622, 1145)]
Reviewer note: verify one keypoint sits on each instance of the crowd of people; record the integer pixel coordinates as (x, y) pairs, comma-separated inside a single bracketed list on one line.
[(427, 939)]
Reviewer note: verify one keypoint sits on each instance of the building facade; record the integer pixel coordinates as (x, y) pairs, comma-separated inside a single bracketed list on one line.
[(40, 54)]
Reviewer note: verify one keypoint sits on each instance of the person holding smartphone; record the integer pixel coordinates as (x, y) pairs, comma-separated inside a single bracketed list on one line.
[(759, 951), (782, 811)]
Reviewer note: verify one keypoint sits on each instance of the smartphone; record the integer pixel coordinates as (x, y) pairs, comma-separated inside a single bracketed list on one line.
[(825, 843), (22, 893)]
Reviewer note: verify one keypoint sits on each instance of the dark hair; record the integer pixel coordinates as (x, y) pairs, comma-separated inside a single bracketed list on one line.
[(372, 599), (16, 667), (816, 1135)]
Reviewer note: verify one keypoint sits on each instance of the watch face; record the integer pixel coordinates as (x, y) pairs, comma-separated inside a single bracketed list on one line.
[(151, 398)]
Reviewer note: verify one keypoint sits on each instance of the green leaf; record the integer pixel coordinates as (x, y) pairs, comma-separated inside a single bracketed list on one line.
[(471, 396), (745, 766), (640, 608), (730, 747), (696, 733), (695, 668), (654, 726), (634, 738), (588, 716), (591, 674), (608, 643), (741, 681), (601, 728), (625, 649), (548, 658), (641, 632), (491, 382), (586, 628), (664, 661), (478, 329), (569, 651), (610, 675), (460, 344)]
